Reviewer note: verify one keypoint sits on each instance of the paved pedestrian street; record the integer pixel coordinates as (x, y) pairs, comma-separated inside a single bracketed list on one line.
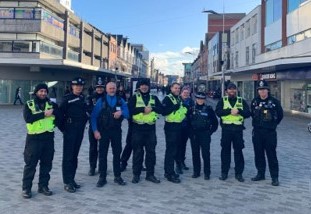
[(191, 196)]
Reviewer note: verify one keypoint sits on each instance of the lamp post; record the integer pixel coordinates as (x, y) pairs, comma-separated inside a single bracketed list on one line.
[(222, 40), (194, 72)]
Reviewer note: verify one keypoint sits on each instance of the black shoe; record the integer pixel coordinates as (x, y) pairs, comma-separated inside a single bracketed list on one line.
[(27, 193), (153, 179), (119, 181), (223, 177), (123, 166), (69, 188), (173, 179), (136, 179), (179, 169), (183, 166), (195, 175), (258, 177), (91, 172), (239, 177), (101, 182), (206, 177), (166, 175), (275, 182), (77, 186), (45, 191)]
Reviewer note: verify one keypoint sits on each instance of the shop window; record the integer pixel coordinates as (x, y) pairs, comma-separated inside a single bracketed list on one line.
[(6, 13), (297, 101), (5, 46), (21, 46)]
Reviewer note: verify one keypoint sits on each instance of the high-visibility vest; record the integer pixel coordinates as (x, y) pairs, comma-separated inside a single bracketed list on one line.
[(40, 126), (232, 119), (142, 118), (176, 116)]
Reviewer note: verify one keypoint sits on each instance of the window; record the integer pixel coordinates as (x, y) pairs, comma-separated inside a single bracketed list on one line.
[(254, 26), (273, 11), (237, 59), (232, 38), (6, 13), (247, 29), (254, 52), (237, 36), (293, 4), (5, 46), (232, 60), (273, 46), (299, 37), (247, 56), (241, 32), (24, 13), (22, 46)]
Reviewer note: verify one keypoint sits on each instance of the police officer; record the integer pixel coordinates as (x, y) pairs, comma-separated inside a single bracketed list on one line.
[(107, 119), (203, 124), (232, 110), (93, 151), (174, 113), (39, 114), (144, 109), (267, 113), (74, 110), (185, 133)]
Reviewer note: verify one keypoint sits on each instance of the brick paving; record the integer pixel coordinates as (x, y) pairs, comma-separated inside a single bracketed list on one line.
[(191, 196)]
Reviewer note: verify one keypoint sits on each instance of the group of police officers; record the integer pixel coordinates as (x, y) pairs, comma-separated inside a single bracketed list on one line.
[(184, 119)]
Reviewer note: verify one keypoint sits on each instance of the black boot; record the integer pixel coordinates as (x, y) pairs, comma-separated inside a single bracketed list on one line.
[(173, 179), (27, 193), (258, 177), (275, 182), (136, 179), (69, 188), (45, 190), (239, 177), (223, 177), (153, 179), (119, 181), (91, 172), (101, 182), (183, 166)]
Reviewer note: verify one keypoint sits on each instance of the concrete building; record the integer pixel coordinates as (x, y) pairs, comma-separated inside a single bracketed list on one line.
[(285, 54)]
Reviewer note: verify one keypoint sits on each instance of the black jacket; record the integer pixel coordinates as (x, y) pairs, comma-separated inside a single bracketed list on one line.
[(136, 110), (211, 116), (245, 113)]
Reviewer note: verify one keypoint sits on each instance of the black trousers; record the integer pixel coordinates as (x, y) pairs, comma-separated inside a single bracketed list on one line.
[(114, 136), (73, 136), (182, 145), (140, 140), (38, 150), (18, 99), (201, 140), (172, 137), (265, 141), (127, 151), (235, 138), (93, 151)]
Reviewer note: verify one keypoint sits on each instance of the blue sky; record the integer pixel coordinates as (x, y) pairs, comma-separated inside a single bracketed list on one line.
[(167, 28)]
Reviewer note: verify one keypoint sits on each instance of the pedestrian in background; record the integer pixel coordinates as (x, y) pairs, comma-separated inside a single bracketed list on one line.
[(204, 123), (107, 117), (267, 113), (74, 111), (232, 111), (40, 114), (18, 96)]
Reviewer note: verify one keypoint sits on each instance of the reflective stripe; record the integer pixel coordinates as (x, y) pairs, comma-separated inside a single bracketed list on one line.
[(176, 116), (142, 118)]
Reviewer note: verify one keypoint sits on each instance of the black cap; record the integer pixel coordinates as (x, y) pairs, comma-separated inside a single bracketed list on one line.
[(41, 86), (144, 81), (78, 81), (262, 84), (231, 85), (200, 95), (99, 82)]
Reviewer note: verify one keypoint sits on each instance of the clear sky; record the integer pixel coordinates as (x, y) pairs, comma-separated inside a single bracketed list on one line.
[(167, 28)]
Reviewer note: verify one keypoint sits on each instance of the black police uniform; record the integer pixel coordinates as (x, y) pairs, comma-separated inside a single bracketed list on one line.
[(74, 110), (267, 114), (232, 133), (93, 149), (203, 124), (39, 147), (185, 135), (127, 150), (172, 137), (144, 136)]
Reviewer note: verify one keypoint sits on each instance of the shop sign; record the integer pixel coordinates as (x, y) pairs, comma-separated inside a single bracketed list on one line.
[(268, 76)]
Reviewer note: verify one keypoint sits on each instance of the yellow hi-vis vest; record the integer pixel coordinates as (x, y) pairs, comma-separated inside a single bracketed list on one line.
[(176, 116), (233, 119), (142, 118), (40, 126)]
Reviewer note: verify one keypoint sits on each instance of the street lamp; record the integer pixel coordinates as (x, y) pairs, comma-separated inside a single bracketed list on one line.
[(194, 71), (222, 40)]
